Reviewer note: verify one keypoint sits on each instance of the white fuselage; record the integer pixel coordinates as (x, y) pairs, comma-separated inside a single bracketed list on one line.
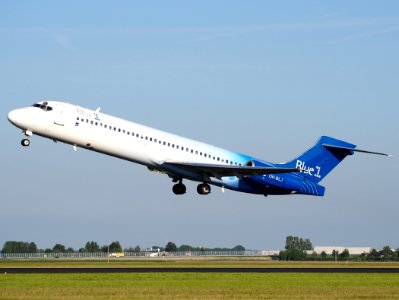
[(181, 158)]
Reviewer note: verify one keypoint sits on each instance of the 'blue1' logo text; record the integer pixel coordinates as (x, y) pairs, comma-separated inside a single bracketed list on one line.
[(308, 170)]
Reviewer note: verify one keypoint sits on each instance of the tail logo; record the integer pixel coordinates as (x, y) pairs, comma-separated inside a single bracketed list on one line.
[(308, 170)]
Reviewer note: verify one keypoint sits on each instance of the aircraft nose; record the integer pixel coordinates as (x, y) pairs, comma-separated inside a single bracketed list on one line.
[(16, 116), (13, 116)]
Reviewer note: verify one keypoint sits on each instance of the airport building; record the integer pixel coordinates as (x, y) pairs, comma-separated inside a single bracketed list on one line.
[(340, 249)]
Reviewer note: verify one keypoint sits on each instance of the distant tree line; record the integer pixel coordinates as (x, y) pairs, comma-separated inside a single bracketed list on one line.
[(92, 246), (386, 254), (25, 247), (296, 249), (171, 247), (19, 247)]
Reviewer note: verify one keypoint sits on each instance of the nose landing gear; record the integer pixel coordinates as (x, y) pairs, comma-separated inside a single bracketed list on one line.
[(25, 142)]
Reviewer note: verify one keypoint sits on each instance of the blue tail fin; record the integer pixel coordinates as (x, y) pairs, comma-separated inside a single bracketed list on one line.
[(319, 160)]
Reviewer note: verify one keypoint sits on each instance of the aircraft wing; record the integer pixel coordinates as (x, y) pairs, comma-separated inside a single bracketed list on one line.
[(219, 171)]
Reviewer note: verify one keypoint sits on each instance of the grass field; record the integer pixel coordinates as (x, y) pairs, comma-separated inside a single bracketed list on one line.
[(193, 285), (199, 286)]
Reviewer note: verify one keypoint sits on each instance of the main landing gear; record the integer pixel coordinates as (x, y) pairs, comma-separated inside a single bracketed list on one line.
[(180, 189), (203, 189)]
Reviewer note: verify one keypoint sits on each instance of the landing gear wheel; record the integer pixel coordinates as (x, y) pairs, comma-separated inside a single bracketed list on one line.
[(25, 142), (179, 189), (203, 189)]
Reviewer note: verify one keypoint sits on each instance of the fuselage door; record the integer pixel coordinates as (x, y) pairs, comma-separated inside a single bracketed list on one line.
[(59, 115)]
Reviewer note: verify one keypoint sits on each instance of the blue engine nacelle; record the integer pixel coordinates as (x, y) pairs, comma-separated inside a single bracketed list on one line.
[(258, 163)]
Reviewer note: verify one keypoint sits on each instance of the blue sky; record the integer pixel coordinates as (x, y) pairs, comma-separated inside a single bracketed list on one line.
[(263, 78)]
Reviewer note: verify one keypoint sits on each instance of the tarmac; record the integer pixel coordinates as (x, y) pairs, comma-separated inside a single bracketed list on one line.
[(194, 270)]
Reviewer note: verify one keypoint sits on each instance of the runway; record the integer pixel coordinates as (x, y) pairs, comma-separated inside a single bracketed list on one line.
[(194, 270)]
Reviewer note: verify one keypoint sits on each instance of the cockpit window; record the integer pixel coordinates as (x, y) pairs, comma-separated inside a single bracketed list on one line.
[(44, 106)]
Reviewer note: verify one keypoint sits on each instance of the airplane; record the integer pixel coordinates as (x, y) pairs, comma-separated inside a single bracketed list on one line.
[(181, 158)]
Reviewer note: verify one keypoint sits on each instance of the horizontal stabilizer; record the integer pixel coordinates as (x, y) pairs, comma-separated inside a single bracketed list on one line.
[(354, 149)]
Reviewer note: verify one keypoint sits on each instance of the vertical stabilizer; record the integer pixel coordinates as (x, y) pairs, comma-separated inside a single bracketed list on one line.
[(324, 156)]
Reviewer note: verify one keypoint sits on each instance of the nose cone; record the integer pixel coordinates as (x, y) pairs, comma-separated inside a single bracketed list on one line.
[(17, 117), (13, 116)]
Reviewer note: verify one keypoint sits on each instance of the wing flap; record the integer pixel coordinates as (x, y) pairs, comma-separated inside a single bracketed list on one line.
[(219, 171)]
